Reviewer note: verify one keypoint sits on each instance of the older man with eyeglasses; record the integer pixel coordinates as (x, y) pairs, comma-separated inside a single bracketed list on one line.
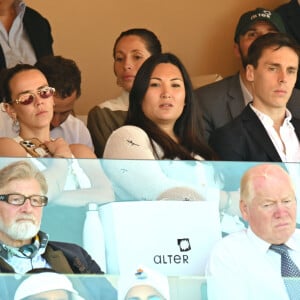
[(23, 247)]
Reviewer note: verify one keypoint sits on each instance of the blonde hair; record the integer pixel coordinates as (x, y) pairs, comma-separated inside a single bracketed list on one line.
[(22, 170)]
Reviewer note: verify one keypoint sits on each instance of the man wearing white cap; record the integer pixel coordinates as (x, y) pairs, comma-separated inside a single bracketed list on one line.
[(144, 284), (46, 285)]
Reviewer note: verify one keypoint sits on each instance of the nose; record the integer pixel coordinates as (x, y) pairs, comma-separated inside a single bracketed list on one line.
[(26, 206), (128, 64), (282, 77), (280, 210)]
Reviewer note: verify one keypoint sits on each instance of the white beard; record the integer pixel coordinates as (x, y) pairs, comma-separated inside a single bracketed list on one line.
[(20, 230)]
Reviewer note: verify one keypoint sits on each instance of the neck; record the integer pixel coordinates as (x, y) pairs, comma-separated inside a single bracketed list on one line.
[(169, 130), (277, 114), (42, 134), (245, 81), (6, 240)]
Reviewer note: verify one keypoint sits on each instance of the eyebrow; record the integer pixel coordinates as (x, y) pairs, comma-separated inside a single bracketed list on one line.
[(279, 65), (30, 91), (157, 78)]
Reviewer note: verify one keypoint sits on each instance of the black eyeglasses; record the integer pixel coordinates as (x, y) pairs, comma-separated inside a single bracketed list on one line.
[(19, 199), (27, 98)]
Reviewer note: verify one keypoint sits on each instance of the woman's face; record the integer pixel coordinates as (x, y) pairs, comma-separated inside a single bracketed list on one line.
[(40, 111), (130, 54), (165, 97)]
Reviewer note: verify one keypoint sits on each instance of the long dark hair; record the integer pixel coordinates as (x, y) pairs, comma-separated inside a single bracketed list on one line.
[(191, 142)]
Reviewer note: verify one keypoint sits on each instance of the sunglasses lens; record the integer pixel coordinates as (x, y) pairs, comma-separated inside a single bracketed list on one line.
[(46, 92), (26, 99)]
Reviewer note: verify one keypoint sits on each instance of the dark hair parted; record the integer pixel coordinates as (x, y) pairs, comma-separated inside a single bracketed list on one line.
[(7, 75), (152, 42), (61, 73), (190, 141), (274, 40)]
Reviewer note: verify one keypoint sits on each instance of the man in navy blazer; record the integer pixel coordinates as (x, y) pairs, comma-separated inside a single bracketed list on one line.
[(222, 101), (265, 130), (290, 14)]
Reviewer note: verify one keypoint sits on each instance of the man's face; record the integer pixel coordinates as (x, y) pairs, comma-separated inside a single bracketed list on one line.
[(19, 224), (62, 109), (272, 212), (274, 78), (255, 30)]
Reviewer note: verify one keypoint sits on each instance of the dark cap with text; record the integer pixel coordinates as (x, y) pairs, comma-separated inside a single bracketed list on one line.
[(259, 14)]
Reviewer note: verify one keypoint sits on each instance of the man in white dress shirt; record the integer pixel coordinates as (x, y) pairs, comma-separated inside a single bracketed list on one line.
[(242, 265)]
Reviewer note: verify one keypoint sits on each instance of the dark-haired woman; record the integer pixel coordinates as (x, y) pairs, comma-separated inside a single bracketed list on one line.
[(130, 50)]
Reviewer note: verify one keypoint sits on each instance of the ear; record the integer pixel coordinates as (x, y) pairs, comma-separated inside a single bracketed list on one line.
[(250, 73), (236, 50), (10, 110), (244, 210)]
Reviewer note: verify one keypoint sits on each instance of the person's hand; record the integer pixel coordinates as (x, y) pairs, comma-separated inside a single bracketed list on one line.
[(59, 148)]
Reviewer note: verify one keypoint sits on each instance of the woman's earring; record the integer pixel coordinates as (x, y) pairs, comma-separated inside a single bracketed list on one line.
[(15, 124)]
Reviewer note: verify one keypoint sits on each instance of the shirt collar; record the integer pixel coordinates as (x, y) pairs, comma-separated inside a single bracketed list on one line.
[(267, 120), (293, 242)]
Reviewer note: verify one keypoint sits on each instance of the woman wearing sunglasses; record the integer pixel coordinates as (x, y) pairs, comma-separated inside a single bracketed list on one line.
[(28, 100)]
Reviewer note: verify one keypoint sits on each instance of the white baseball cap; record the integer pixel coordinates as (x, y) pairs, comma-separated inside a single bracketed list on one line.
[(44, 282), (143, 276)]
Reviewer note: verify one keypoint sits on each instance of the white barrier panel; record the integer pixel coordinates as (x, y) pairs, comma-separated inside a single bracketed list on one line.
[(173, 237)]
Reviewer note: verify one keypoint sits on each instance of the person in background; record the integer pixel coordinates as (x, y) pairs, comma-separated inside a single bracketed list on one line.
[(23, 246), (265, 130), (224, 100), (290, 14), (145, 284), (64, 75), (160, 125), (25, 35), (46, 284), (130, 50), (248, 265)]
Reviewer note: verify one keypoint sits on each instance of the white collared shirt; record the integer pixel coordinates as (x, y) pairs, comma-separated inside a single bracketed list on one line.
[(15, 44), (287, 140)]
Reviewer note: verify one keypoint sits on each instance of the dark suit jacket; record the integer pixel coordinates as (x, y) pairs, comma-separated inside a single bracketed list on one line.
[(222, 101), (245, 139), (290, 14), (39, 32), (66, 258)]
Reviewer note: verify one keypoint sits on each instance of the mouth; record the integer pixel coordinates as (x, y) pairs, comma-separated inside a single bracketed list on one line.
[(128, 78), (41, 113), (166, 105)]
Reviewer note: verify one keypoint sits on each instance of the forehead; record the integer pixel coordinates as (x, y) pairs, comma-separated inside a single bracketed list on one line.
[(27, 80), (21, 185), (131, 43), (64, 104), (262, 25), (285, 55), (166, 70)]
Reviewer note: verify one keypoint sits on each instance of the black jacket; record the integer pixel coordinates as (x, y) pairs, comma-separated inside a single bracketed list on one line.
[(39, 32), (66, 258)]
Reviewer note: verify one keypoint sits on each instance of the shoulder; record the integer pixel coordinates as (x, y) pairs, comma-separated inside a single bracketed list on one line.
[(128, 132), (230, 245), (218, 86), (9, 147), (119, 103), (32, 13)]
